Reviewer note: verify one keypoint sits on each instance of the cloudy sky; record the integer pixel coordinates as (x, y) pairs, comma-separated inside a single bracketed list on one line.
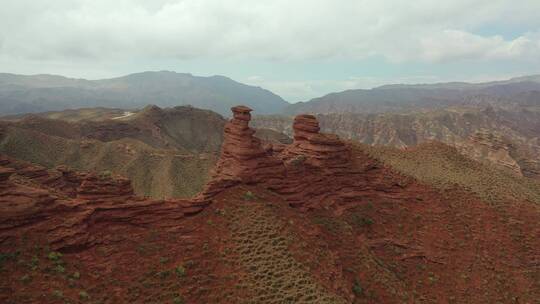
[(297, 48)]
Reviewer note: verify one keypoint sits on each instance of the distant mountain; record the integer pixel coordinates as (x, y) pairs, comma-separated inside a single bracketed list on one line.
[(401, 97), (41, 93), (465, 85)]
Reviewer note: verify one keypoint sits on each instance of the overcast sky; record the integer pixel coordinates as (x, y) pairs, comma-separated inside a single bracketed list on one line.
[(299, 49)]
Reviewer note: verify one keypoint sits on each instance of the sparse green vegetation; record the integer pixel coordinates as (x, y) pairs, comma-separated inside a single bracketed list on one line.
[(178, 300), (54, 256), (105, 174), (34, 262), (7, 256), (180, 271), (83, 295), (154, 172), (443, 167), (330, 224), (357, 288), (26, 279), (163, 260), (249, 196), (58, 294), (59, 269), (164, 274), (360, 221), (273, 275)]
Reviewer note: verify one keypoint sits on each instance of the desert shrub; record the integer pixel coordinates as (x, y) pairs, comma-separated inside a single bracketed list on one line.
[(361, 221), (249, 196), (54, 256), (26, 279), (83, 295), (105, 174), (180, 271), (163, 274), (58, 294), (178, 300), (357, 288), (59, 268)]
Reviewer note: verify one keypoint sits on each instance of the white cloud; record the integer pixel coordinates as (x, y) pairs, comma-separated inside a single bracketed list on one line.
[(104, 38), (422, 30)]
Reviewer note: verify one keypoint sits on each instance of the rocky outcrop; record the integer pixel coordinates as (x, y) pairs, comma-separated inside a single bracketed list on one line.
[(243, 158), (325, 151), (316, 170), (5, 173), (68, 206), (94, 187), (490, 147)]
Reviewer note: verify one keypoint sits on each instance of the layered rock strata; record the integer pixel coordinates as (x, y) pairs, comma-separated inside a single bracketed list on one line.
[(316, 170), (243, 158), (325, 151), (490, 147), (71, 206)]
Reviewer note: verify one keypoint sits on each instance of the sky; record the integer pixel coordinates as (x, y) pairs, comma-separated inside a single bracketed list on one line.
[(299, 49)]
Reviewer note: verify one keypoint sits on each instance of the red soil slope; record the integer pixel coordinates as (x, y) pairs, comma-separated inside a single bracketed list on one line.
[(358, 232)]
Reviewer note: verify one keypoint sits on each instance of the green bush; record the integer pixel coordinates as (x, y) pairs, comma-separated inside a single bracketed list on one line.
[(361, 221), (54, 256), (178, 300), (249, 196), (357, 288), (83, 295), (58, 294), (180, 271)]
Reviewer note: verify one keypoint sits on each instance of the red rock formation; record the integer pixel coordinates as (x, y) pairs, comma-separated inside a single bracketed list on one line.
[(315, 171), (326, 151), (5, 173), (95, 187), (243, 158), (31, 200)]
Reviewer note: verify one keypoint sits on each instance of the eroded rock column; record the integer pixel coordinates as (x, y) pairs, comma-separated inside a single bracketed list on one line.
[(320, 150), (243, 158)]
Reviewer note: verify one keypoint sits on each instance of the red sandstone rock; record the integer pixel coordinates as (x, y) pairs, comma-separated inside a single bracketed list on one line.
[(5, 173), (316, 170), (67, 206), (243, 158), (320, 150), (95, 187)]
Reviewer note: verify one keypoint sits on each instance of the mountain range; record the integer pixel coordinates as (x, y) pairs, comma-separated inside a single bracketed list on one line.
[(412, 98), (21, 94), (41, 93)]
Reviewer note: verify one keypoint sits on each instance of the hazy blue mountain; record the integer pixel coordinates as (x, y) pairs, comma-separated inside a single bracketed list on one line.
[(39, 93), (401, 97)]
